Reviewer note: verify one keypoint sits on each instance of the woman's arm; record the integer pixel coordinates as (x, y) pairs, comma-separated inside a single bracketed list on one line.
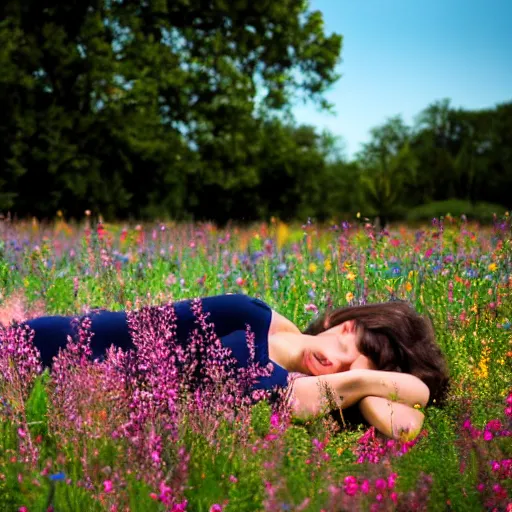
[(392, 419), (308, 394)]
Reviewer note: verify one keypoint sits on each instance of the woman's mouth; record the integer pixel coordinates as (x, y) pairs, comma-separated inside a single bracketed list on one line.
[(317, 362)]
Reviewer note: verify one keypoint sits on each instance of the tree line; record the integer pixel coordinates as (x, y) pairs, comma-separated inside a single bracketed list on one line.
[(182, 109)]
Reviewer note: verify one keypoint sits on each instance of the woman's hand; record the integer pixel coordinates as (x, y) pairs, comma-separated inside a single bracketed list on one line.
[(392, 419)]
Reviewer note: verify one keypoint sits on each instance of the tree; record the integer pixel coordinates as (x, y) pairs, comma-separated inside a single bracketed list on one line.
[(459, 153), (130, 106), (388, 167)]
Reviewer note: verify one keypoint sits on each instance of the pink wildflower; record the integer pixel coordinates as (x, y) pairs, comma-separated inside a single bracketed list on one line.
[(493, 425), (365, 487), (391, 480), (108, 486), (351, 486), (380, 484)]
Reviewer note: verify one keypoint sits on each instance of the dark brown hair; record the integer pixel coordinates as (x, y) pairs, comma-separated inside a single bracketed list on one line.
[(395, 337)]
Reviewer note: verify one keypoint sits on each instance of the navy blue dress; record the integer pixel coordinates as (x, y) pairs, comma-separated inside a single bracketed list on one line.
[(228, 313)]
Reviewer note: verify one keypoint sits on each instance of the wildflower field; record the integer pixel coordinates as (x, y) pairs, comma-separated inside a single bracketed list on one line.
[(128, 433)]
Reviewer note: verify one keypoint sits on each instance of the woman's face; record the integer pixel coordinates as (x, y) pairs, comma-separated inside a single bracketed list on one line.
[(334, 350)]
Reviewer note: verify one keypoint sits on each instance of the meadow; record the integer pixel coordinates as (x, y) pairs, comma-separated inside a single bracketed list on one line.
[(127, 434)]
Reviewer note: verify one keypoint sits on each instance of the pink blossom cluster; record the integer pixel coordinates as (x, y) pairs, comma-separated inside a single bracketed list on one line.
[(19, 367), (357, 493), (373, 448), (379, 491), (380, 494), (19, 359), (494, 428), (493, 470)]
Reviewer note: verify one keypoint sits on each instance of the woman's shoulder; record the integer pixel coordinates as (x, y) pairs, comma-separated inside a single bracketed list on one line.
[(280, 323), (234, 302)]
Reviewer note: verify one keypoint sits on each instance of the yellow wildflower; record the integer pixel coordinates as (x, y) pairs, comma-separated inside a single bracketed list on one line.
[(283, 233), (482, 372), (351, 276), (349, 296), (312, 268), (327, 265), (492, 267), (408, 286)]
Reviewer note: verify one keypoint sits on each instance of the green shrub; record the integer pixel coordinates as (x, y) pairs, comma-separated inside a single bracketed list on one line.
[(481, 211)]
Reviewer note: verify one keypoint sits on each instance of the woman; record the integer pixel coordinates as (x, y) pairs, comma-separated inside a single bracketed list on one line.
[(365, 354)]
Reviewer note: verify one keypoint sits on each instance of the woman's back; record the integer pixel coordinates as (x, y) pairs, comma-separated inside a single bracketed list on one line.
[(230, 315)]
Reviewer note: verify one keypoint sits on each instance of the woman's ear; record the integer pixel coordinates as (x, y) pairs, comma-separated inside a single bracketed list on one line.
[(349, 326)]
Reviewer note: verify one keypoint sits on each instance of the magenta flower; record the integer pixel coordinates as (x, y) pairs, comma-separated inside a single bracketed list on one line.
[(108, 486), (380, 484), (493, 425), (488, 435), (351, 488), (274, 420), (391, 480)]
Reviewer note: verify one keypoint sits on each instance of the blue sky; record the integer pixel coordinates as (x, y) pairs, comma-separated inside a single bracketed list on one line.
[(398, 56)]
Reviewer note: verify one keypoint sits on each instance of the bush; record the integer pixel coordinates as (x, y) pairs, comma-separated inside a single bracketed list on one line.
[(480, 211)]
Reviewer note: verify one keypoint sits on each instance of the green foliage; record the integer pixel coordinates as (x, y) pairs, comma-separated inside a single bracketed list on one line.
[(129, 108), (37, 407)]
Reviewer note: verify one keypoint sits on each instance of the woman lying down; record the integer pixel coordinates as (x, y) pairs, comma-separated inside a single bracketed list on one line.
[(379, 358)]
